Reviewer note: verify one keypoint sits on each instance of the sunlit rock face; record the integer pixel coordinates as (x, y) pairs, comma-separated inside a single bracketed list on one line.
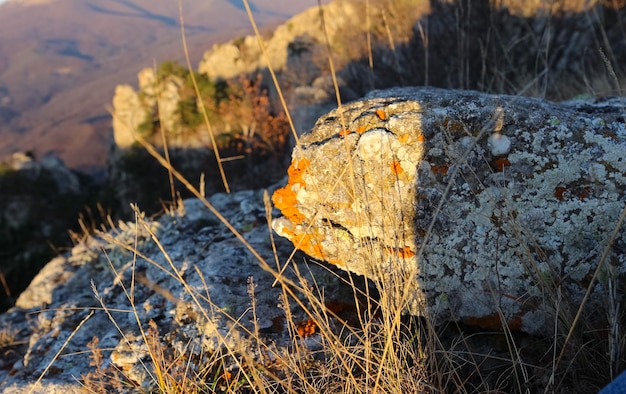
[(483, 206)]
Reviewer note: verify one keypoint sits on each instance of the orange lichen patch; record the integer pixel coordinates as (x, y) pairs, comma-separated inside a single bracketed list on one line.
[(403, 253), (439, 169), (296, 169), (309, 245), (559, 192), (499, 163), (306, 242), (306, 328), (361, 129), (421, 138), (396, 167), (381, 114), (493, 322), (344, 133), (285, 198)]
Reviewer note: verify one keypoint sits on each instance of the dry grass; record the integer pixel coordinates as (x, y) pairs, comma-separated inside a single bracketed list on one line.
[(372, 346)]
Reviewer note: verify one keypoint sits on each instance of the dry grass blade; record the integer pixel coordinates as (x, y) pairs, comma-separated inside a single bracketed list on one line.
[(202, 108), (58, 353)]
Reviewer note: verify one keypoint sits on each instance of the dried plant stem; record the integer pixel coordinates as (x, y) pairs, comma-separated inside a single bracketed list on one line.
[(202, 108), (58, 353)]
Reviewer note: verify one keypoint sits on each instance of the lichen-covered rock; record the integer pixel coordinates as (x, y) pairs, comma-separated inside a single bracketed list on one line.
[(481, 204)]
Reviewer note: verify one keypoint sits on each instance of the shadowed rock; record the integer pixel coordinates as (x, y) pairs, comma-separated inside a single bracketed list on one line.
[(479, 204)]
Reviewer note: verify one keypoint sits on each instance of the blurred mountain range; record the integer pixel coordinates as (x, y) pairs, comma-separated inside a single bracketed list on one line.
[(60, 61)]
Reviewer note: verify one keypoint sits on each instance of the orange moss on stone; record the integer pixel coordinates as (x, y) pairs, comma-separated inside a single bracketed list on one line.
[(285, 198), (306, 328), (403, 253), (421, 138), (396, 167), (361, 129), (381, 114), (344, 133), (305, 242)]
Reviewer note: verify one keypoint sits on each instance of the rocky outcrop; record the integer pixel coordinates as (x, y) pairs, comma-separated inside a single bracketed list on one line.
[(243, 55), (199, 294), (479, 204), (128, 114), (133, 110)]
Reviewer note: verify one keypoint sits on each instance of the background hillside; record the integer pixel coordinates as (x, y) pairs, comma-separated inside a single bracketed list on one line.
[(60, 61)]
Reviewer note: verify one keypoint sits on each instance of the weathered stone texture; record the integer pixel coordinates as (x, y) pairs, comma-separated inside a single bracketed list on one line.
[(522, 196), (218, 274)]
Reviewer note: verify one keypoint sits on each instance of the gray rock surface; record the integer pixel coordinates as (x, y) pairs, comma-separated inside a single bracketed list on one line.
[(62, 310), (479, 204)]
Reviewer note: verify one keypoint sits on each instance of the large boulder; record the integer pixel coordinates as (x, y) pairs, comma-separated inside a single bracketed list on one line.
[(481, 206)]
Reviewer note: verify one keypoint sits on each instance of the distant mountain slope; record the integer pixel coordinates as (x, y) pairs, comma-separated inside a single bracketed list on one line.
[(60, 61)]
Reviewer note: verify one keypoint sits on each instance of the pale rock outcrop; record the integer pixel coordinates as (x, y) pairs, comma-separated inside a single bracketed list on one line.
[(479, 203), (131, 108), (128, 114), (243, 56), (163, 96)]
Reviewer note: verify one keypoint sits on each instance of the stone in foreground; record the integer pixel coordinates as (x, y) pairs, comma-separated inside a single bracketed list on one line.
[(484, 207)]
